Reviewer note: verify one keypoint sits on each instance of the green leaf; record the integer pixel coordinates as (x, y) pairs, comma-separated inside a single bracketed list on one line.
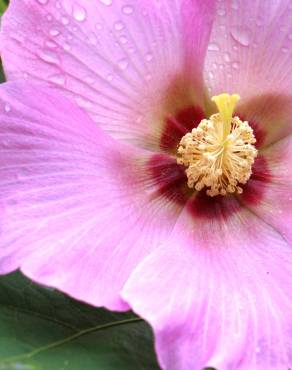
[(41, 329), (3, 6)]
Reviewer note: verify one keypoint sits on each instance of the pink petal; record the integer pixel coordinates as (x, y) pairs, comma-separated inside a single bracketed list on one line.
[(269, 115), (275, 204), (250, 48), (128, 64), (218, 292), (78, 208)]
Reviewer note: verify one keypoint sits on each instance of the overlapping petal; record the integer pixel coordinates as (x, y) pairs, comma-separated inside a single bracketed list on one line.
[(218, 292), (274, 182), (250, 54), (250, 48), (128, 64), (77, 209)]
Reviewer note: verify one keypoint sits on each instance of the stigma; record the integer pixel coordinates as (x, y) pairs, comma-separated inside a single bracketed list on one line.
[(220, 152)]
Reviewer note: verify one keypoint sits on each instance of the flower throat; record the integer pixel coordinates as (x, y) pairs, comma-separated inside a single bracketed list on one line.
[(220, 152)]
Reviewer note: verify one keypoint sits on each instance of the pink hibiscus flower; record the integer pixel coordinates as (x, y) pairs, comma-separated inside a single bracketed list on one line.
[(126, 212)]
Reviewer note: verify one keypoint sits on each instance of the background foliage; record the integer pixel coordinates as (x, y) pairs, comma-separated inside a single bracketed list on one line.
[(41, 329)]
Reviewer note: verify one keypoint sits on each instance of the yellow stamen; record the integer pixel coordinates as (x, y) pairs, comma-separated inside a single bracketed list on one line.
[(226, 104), (220, 152)]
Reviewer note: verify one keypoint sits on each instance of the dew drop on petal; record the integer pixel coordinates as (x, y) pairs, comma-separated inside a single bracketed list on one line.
[(106, 2), (221, 11), (7, 108), (65, 20), (66, 46), (89, 80), (149, 57), (51, 44), (58, 79), (119, 26), (227, 57), (241, 35), (235, 65), (123, 64), (213, 47), (123, 40), (127, 9), (49, 56), (43, 2), (79, 13), (234, 5), (54, 32)]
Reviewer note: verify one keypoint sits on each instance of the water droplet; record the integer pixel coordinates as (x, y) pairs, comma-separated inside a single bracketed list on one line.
[(119, 26), (106, 2), (123, 39), (234, 5), (285, 50), (213, 47), (51, 44), (149, 57), (132, 50), (43, 2), (148, 77), (49, 56), (235, 65), (58, 79), (211, 75), (98, 26), (109, 77), (54, 32), (83, 103), (127, 9), (89, 80), (7, 107), (123, 64), (227, 57), (49, 17), (79, 13), (241, 35), (221, 11), (65, 20), (67, 46), (214, 65)]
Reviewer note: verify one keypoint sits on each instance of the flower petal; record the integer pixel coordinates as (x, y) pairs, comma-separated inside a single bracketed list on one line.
[(250, 48), (218, 292), (269, 115), (275, 204), (78, 208), (122, 62)]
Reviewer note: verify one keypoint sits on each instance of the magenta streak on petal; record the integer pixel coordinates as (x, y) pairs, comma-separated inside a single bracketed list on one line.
[(254, 190), (258, 130), (177, 126), (169, 178)]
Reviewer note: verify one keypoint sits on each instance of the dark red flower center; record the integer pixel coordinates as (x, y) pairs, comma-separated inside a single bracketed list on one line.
[(171, 180)]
